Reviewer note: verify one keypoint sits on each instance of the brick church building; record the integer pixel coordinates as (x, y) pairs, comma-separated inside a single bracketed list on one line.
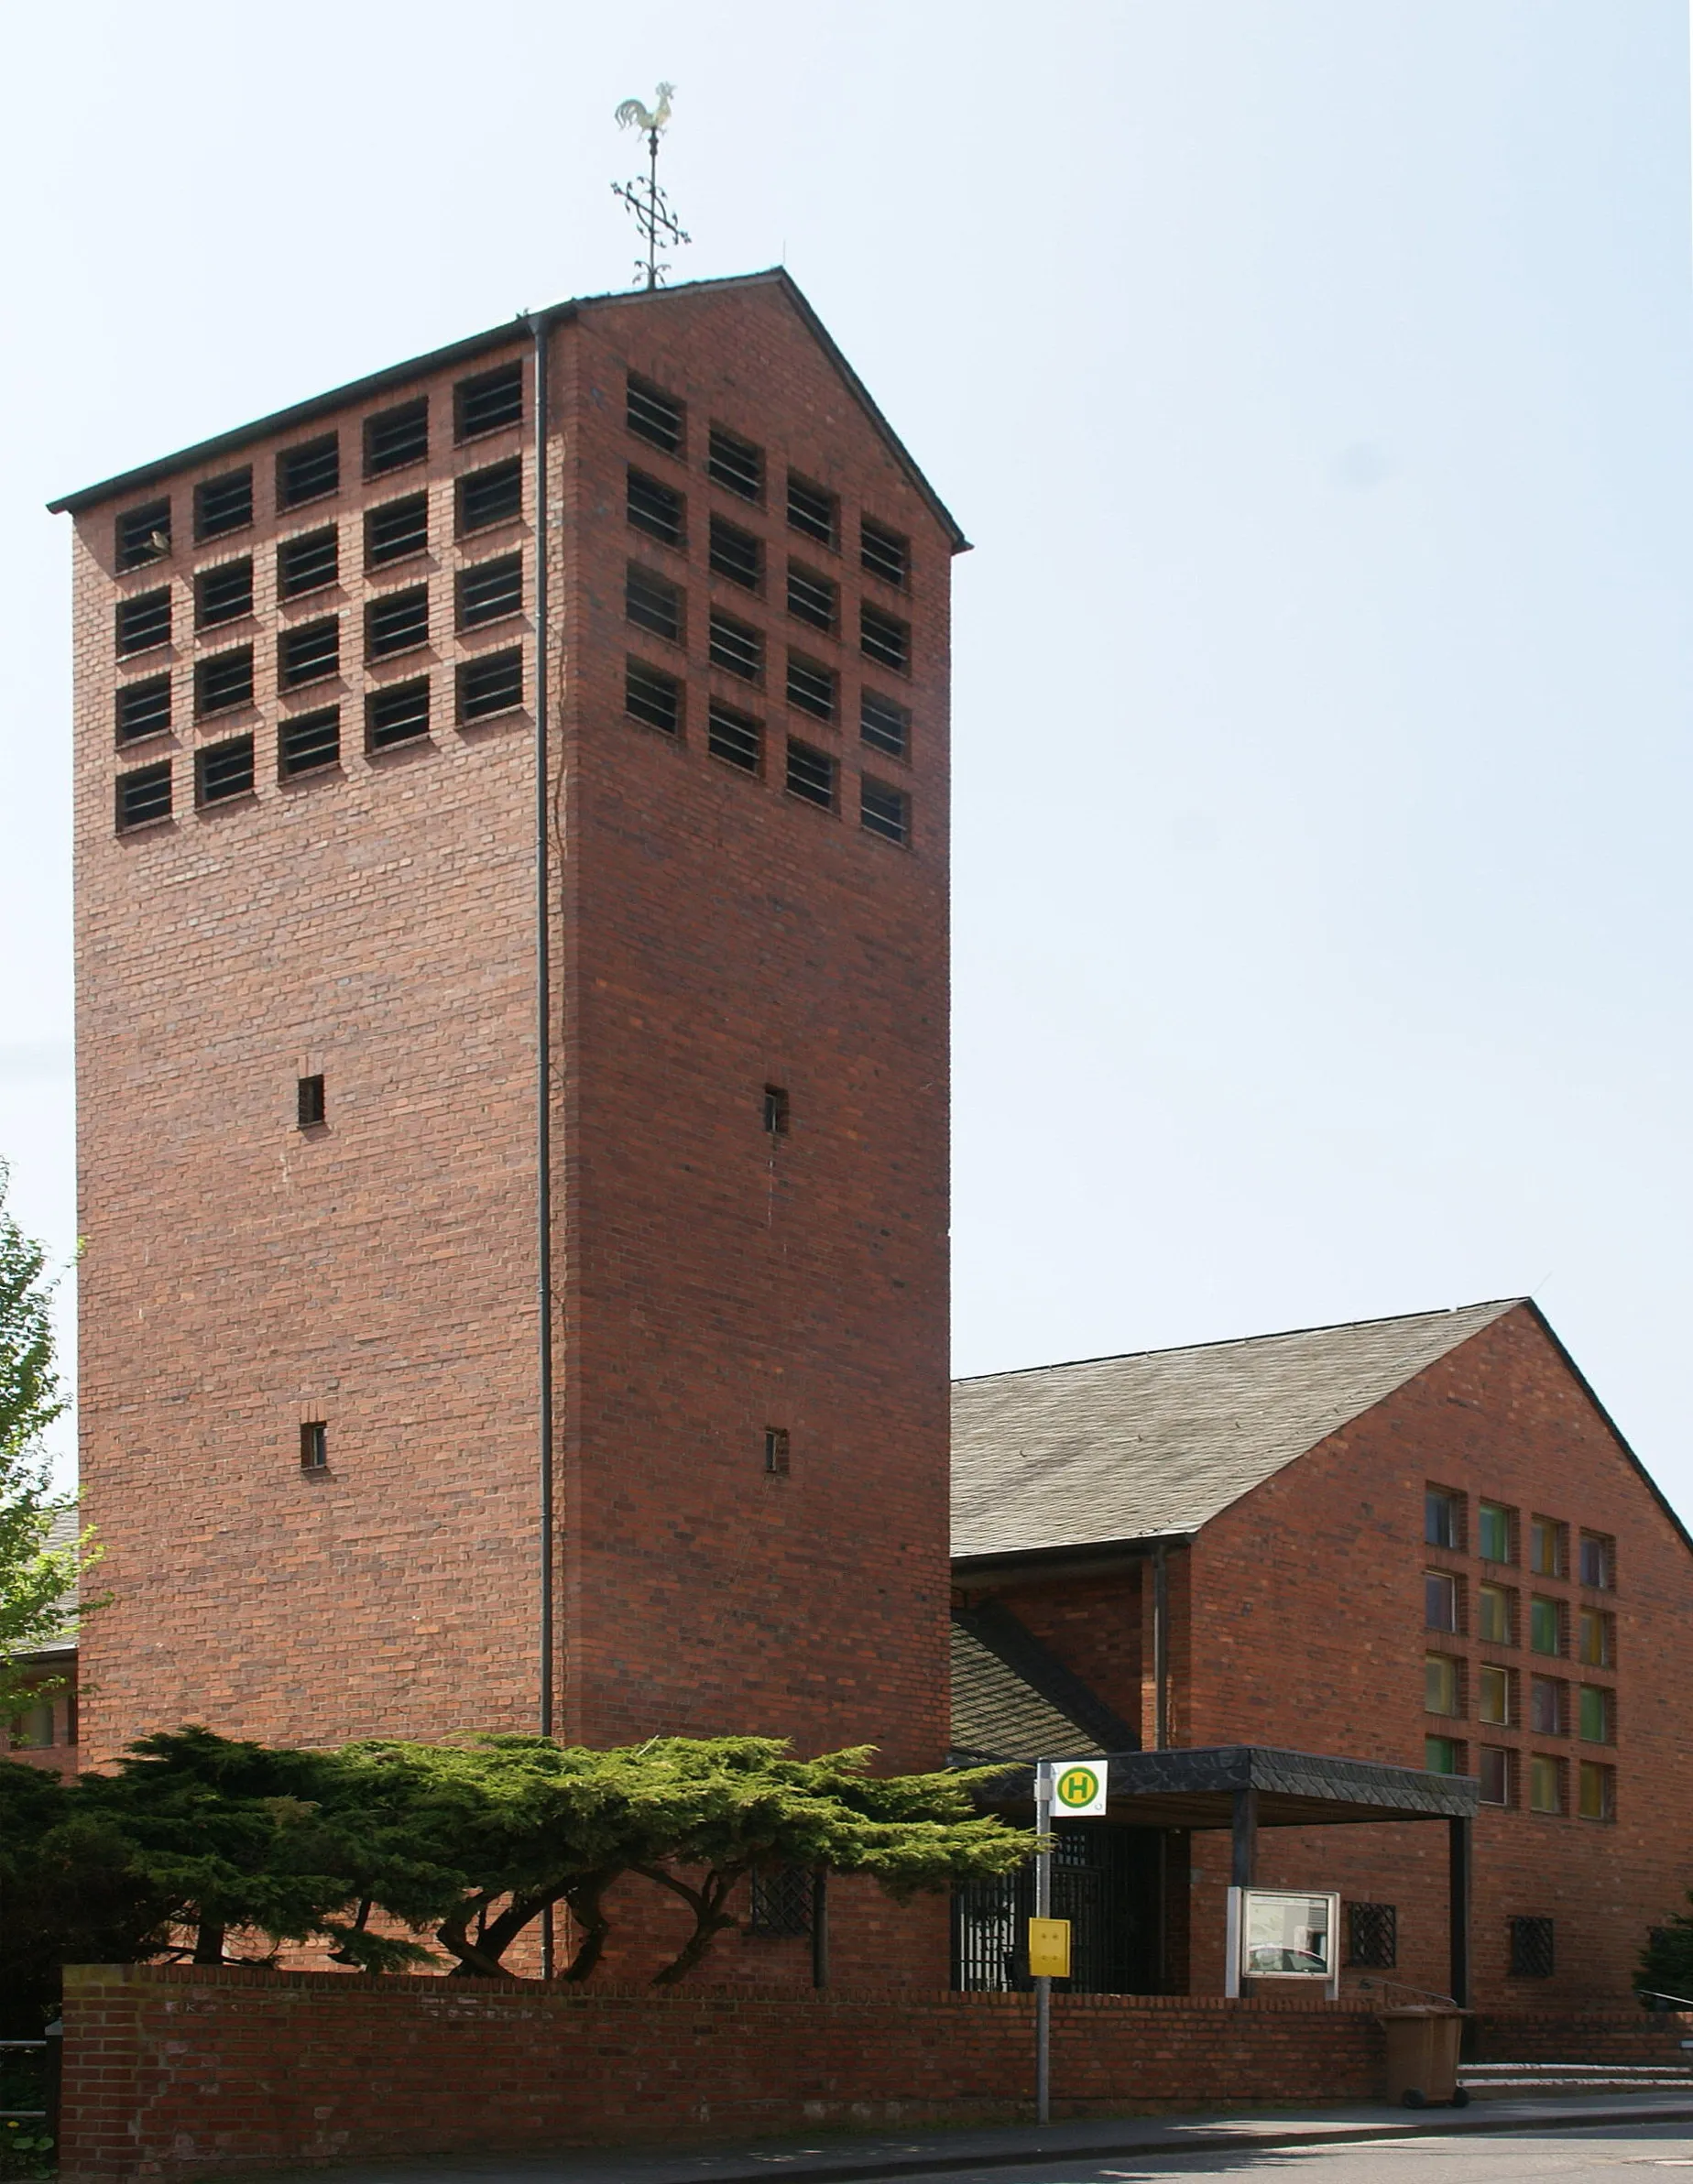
[(512, 849)]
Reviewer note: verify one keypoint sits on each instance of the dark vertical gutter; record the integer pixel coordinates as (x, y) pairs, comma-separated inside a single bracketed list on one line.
[(1160, 1648), (543, 1072)]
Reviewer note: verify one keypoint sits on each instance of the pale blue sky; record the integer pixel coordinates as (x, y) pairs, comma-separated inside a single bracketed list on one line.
[(1315, 377)]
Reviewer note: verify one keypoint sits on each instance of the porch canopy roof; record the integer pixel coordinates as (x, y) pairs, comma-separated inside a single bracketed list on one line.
[(1200, 1788)]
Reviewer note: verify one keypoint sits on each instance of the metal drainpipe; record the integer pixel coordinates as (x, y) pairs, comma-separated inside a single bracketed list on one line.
[(543, 1069), (1160, 1648)]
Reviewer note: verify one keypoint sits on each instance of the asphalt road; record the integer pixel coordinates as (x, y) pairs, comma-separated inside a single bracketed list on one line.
[(1644, 2151)]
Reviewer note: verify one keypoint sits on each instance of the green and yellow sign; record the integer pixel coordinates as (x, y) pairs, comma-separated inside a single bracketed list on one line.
[(1079, 1788)]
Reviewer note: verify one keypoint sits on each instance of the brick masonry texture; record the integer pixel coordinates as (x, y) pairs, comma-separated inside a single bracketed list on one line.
[(173, 2072), (1297, 1620), (373, 922)]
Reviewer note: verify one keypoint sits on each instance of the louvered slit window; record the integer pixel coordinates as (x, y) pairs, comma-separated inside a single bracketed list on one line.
[(222, 595), (396, 438), (143, 709), (142, 534), (655, 416), (811, 774), (397, 715), (811, 686), (651, 602), (656, 509), (143, 795), (735, 737), (488, 403), (884, 724), (224, 769), (736, 465), (884, 639), (494, 683), (885, 811), (813, 509), (652, 697), (736, 648), (223, 504), (397, 622), (737, 554), (308, 564), (813, 598), (396, 528), (489, 496), (309, 472), (224, 681), (309, 652), (143, 622), (308, 741), (488, 591), (885, 553)]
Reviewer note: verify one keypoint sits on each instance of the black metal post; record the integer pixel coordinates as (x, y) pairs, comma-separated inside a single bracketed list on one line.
[(1243, 1864), (1458, 1832), (543, 1074)]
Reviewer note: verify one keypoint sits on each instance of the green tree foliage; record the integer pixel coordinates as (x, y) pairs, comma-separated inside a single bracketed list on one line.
[(199, 1843), (1666, 1961), (34, 1578)]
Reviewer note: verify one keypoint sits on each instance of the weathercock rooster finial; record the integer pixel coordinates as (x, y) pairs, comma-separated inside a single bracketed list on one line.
[(652, 214)]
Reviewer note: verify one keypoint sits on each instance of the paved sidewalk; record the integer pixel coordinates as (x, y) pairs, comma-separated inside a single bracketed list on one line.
[(836, 2158)]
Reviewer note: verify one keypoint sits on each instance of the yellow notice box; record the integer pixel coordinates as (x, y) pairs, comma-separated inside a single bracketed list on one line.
[(1049, 1948)]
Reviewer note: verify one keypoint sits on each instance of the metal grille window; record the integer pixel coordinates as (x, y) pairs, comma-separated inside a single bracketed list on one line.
[(308, 741), (311, 652), (309, 471), (142, 534), (736, 465), (224, 769), (736, 648), (1545, 1706), (1595, 1791), (397, 622), (777, 1458), (1373, 1936), (1494, 1770), (394, 438), (651, 603), (310, 1107), (488, 591), (735, 737), (224, 681), (223, 504), (308, 564), (811, 686), (1440, 1601), (652, 696), (143, 709), (654, 509), (397, 715), (396, 528), (781, 1902), (1443, 1520), (1533, 1954), (489, 496), (884, 552), (813, 509), (488, 403), (813, 598), (314, 1445), (811, 775), (737, 554), (492, 684), (143, 795), (143, 622), (1598, 1714), (884, 639), (884, 725), (655, 416), (222, 595), (884, 809)]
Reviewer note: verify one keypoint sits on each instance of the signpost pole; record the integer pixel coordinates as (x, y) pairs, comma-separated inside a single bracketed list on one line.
[(1042, 1909)]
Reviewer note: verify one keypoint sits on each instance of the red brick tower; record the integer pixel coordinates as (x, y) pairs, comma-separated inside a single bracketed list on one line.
[(306, 816)]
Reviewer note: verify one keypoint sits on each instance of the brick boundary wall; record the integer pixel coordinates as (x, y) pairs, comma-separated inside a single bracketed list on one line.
[(1584, 2037), (177, 2071)]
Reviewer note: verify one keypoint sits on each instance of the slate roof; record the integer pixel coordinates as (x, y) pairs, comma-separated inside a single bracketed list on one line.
[(64, 1532), (997, 1715), (1157, 1443)]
